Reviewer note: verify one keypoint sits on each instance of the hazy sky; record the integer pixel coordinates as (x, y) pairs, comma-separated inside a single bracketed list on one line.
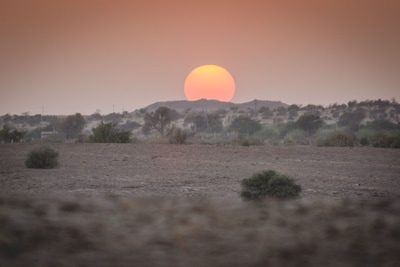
[(68, 56)]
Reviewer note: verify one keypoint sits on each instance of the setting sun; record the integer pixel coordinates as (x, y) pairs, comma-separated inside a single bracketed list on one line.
[(209, 82)]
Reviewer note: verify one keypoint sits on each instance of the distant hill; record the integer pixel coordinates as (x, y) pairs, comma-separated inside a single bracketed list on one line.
[(214, 105)]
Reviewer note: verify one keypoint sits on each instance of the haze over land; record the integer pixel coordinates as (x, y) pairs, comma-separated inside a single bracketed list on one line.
[(67, 56), (60, 57)]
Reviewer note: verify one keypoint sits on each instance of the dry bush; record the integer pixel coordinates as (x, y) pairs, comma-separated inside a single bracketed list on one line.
[(338, 140), (177, 136)]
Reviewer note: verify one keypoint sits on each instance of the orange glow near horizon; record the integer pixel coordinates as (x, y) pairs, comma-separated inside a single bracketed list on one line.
[(209, 82)]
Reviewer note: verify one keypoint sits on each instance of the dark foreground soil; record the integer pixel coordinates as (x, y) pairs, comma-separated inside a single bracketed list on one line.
[(167, 205)]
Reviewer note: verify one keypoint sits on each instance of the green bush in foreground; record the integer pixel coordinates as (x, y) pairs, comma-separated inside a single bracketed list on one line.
[(269, 184), (42, 158)]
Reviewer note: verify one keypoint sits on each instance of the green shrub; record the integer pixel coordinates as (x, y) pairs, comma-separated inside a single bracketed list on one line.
[(364, 141), (9, 135), (269, 184), (241, 140), (42, 158), (385, 140), (382, 140), (396, 142), (246, 143), (245, 126), (266, 135), (109, 133), (296, 137), (177, 136)]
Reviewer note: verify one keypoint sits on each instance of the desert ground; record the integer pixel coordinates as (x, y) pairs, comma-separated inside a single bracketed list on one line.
[(179, 205)]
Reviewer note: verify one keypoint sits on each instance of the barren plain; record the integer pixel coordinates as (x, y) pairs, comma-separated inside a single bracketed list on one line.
[(179, 205)]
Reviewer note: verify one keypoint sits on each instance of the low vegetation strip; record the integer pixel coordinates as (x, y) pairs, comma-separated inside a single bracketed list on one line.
[(78, 231)]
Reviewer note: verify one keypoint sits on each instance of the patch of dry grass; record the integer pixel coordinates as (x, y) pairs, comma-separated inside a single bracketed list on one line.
[(109, 231)]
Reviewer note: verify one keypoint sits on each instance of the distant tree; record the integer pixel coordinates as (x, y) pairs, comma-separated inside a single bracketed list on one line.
[(10, 135), (113, 117), (245, 125), (382, 103), (129, 126), (55, 123), (335, 113), (95, 116), (263, 109), (281, 111), (378, 113), (109, 133), (159, 120), (309, 123), (7, 118), (198, 121), (352, 120), (285, 128), (352, 104), (214, 123), (177, 136), (313, 109), (382, 125), (210, 123), (293, 111), (72, 126), (293, 108), (34, 120), (266, 113)]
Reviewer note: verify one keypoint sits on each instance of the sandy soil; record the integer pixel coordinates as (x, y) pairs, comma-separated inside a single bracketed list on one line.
[(179, 205), (202, 170)]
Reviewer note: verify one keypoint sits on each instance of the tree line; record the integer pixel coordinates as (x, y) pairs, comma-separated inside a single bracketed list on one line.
[(364, 123)]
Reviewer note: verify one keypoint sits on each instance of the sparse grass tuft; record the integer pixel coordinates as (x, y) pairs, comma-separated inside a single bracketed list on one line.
[(269, 184), (42, 158)]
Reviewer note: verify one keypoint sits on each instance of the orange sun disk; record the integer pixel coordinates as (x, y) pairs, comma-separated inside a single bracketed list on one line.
[(209, 82)]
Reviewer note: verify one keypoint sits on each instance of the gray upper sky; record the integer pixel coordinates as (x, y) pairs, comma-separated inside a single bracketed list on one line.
[(69, 56)]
